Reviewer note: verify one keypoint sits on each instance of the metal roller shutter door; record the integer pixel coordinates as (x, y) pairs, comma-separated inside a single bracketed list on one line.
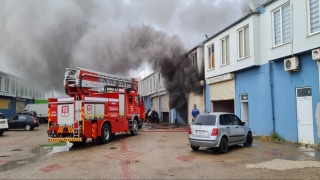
[(4, 103), (165, 103), (20, 106), (222, 91), (155, 104)]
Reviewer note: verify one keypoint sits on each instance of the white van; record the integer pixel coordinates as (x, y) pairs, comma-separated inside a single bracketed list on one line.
[(3, 124)]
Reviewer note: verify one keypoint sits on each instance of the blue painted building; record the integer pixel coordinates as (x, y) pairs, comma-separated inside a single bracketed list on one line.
[(269, 63), (16, 93)]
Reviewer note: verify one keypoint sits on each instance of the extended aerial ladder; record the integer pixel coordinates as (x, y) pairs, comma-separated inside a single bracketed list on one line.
[(81, 81)]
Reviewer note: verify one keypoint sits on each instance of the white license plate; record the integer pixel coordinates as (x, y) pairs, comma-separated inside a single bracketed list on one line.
[(201, 132)]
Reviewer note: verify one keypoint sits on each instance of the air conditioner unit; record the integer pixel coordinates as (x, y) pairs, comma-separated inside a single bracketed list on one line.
[(291, 64), (316, 54)]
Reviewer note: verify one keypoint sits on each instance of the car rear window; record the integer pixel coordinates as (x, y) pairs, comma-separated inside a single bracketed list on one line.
[(205, 119), (2, 116)]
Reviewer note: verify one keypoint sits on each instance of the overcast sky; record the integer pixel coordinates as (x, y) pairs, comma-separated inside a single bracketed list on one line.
[(39, 39)]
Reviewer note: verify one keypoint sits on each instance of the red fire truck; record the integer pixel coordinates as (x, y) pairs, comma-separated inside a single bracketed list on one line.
[(98, 106)]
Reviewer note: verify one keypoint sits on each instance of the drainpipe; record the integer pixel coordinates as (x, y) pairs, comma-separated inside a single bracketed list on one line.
[(272, 99)]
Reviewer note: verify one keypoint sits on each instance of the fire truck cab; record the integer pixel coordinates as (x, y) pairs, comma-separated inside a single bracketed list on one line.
[(99, 106)]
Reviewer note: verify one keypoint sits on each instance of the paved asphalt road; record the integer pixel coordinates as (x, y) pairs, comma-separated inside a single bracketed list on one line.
[(152, 154)]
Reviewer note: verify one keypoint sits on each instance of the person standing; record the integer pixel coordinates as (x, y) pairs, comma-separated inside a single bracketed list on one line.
[(194, 112)]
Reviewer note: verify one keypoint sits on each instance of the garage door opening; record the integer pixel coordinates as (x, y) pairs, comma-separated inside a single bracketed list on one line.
[(223, 106), (165, 117)]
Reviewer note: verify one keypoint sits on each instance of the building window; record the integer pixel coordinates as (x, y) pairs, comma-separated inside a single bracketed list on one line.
[(36, 92), (25, 90), (30, 91), (6, 88), (225, 54), (314, 16), (13, 86), (243, 42), (154, 82), (194, 63), (21, 89), (211, 57), (282, 25)]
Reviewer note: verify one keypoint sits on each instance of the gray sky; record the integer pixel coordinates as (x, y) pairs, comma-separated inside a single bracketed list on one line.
[(40, 38)]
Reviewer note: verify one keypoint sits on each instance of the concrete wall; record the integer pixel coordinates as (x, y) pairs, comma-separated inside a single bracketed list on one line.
[(255, 83), (285, 107), (235, 64), (301, 39)]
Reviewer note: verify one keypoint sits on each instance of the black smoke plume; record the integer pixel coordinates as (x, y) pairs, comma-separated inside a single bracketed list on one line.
[(39, 39)]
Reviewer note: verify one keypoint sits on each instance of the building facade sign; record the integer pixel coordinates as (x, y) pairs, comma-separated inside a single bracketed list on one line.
[(223, 77)]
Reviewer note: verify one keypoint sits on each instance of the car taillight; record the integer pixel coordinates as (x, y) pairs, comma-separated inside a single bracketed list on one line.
[(189, 131), (214, 132), (35, 121)]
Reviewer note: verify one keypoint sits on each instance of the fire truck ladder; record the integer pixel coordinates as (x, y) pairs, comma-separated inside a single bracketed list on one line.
[(104, 80), (77, 119)]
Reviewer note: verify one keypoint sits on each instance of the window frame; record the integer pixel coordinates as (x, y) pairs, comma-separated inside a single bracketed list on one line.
[(273, 33), (1, 83), (211, 59), (6, 85), (221, 59), (309, 23), (194, 60), (243, 43), (13, 86)]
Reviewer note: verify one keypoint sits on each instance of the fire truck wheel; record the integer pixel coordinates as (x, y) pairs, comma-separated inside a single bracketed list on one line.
[(134, 130), (106, 134)]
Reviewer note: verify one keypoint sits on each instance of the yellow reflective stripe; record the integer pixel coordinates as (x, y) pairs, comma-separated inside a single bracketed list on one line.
[(48, 118), (82, 118), (65, 139)]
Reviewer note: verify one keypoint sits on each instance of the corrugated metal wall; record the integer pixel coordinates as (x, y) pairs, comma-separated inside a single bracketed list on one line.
[(165, 103), (155, 104), (222, 91)]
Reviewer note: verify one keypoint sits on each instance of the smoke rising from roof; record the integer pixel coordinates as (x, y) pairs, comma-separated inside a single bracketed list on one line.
[(39, 39)]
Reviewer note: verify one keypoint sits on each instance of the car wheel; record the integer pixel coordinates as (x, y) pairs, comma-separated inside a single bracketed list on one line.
[(134, 130), (248, 140), (195, 148), (27, 127), (1, 132), (32, 128), (105, 134), (223, 146)]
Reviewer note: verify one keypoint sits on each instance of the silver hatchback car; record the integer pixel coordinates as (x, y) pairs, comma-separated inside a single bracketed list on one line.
[(219, 130)]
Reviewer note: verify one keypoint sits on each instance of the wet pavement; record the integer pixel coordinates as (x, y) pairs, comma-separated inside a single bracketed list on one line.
[(159, 151)]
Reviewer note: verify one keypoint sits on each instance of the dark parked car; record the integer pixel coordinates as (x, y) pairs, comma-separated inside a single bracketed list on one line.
[(23, 121), (30, 113)]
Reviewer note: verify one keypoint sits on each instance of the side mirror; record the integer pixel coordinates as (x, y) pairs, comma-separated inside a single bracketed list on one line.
[(243, 123)]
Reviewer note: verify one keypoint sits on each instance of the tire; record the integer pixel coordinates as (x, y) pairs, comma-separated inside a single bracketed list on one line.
[(195, 148), (134, 130), (32, 128), (249, 140), (105, 134), (223, 146), (27, 127), (1, 132)]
